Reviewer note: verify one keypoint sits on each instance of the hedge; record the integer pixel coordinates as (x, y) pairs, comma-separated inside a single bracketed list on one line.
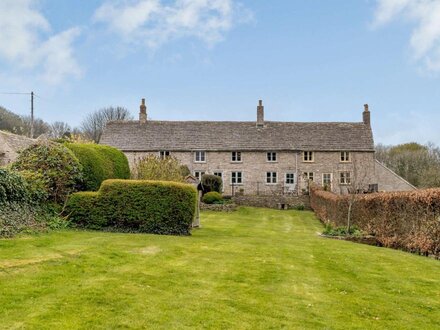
[(13, 188), (403, 220), (99, 163), (212, 197), (156, 207)]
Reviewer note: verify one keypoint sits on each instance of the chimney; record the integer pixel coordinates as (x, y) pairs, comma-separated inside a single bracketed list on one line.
[(143, 112), (260, 114), (366, 115)]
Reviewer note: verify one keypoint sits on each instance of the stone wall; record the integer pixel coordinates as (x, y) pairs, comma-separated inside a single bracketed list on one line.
[(218, 207), (390, 181), (254, 167), (273, 202)]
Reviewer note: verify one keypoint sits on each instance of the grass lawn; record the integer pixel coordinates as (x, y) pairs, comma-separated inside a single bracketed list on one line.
[(252, 269)]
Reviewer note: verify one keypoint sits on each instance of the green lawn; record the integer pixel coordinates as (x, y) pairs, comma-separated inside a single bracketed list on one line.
[(252, 269)]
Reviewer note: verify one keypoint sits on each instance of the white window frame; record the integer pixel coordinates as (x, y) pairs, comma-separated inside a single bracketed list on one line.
[(236, 178), (271, 156), (271, 177), (331, 180), (200, 172), (237, 155), (345, 157), (164, 153), (309, 176), (216, 173), (345, 180), (198, 155), (308, 156), (287, 179)]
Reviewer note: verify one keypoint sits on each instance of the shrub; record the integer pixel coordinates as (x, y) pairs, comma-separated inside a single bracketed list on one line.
[(403, 220), (57, 165), (99, 163), (212, 198), (211, 183), (136, 206), (161, 169), (13, 188), (16, 218)]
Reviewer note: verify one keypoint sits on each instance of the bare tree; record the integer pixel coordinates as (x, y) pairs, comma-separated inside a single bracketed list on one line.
[(40, 126), (59, 129), (93, 125)]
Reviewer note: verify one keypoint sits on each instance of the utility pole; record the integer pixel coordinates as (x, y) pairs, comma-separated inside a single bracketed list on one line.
[(32, 115)]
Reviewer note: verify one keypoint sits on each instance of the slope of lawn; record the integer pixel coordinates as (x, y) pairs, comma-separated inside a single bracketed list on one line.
[(252, 269)]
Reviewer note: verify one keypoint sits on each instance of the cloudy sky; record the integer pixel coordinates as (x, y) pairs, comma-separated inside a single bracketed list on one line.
[(317, 60)]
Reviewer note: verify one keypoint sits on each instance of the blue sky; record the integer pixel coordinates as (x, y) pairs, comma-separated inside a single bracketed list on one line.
[(317, 60)]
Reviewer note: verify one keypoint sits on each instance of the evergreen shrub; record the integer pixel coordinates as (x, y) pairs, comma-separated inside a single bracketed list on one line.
[(157, 207), (99, 163), (211, 183), (212, 198)]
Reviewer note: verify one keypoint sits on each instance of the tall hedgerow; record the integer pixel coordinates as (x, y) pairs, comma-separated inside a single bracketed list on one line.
[(99, 163)]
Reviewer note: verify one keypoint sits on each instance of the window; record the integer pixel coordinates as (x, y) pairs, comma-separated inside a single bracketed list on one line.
[(345, 156), (327, 180), (164, 154), (199, 174), (308, 156), (200, 157), (220, 174), (290, 178), (237, 178), (308, 176), (236, 156), (345, 178), (271, 156), (271, 177)]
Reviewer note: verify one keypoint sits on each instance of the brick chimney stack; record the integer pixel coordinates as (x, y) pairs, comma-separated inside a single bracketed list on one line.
[(143, 112), (260, 114), (366, 115)]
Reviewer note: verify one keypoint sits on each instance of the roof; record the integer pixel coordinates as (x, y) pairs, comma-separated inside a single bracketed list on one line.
[(243, 136), (10, 144)]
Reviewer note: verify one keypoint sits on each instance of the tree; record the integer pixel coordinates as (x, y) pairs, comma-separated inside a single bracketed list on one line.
[(40, 126), (10, 122), (59, 129), (93, 125), (155, 168), (416, 163)]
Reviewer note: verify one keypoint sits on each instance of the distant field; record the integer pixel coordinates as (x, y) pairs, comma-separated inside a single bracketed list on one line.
[(252, 269)]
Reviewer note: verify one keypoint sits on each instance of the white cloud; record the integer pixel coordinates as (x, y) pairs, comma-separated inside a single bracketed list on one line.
[(425, 38), (22, 28), (152, 22)]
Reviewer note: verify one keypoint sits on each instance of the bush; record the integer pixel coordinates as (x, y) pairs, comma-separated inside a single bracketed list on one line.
[(212, 197), (211, 183), (402, 220), (16, 218), (136, 206), (99, 163), (161, 169), (13, 188), (57, 166)]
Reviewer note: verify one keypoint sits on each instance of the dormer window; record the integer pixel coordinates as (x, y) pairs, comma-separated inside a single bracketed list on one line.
[(236, 156), (345, 156), (200, 156), (308, 156)]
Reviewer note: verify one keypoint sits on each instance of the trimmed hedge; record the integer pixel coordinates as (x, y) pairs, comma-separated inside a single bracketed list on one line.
[(211, 183), (403, 220), (99, 163), (158, 207), (212, 197)]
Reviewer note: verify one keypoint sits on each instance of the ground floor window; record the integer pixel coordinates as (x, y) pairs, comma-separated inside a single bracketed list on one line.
[(236, 177), (220, 174), (271, 177), (345, 178), (290, 178), (199, 174), (327, 180), (308, 176)]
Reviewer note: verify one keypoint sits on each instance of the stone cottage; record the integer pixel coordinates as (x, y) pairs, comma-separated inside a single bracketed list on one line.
[(10, 145), (262, 157)]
